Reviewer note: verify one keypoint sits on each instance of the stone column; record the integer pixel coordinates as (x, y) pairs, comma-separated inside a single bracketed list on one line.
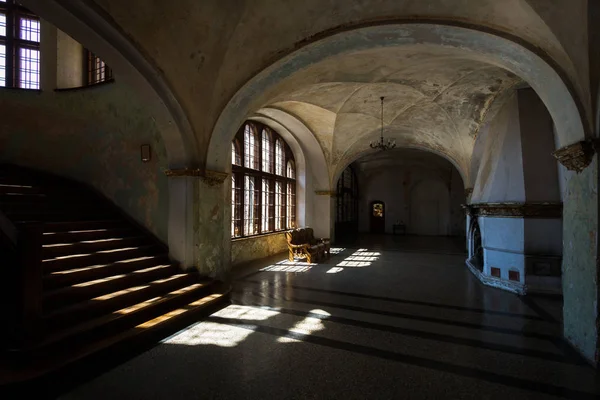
[(580, 272), (199, 214)]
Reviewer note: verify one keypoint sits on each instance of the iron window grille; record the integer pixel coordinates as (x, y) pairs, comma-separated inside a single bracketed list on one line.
[(263, 189), (20, 36)]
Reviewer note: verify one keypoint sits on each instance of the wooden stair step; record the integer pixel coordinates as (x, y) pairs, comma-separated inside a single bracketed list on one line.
[(16, 204), (14, 188), (55, 357), (110, 302), (92, 246), (92, 234), (100, 257), (78, 226), (46, 213), (68, 295), (67, 277), (131, 316)]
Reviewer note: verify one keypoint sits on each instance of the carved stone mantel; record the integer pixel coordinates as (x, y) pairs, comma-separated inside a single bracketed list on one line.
[(515, 210), (577, 156), (211, 178)]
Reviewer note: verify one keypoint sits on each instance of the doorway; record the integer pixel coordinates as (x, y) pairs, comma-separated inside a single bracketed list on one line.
[(377, 217)]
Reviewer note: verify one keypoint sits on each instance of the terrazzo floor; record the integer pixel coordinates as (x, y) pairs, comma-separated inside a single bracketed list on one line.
[(374, 322)]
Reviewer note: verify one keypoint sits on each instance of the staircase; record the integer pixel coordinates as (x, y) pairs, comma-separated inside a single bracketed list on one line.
[(104, 280)]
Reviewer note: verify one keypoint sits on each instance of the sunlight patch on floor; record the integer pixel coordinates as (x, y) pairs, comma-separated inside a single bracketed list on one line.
[(289, 266), (307, 326), (211, 333)]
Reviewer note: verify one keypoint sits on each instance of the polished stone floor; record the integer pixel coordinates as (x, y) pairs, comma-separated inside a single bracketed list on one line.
[(371, 323)]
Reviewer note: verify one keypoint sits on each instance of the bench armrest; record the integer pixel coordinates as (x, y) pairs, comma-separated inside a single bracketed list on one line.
[(298, 246)]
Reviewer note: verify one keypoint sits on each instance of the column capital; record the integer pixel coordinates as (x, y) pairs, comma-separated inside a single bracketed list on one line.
[(330, 193), (577, 156)]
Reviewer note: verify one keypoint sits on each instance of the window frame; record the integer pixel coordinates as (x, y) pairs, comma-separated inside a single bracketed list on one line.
[(13, 43), (286, 217), (90, 59), (347, 197)]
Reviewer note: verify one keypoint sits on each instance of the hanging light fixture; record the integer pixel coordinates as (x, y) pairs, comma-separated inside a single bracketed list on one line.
[(381, 144)]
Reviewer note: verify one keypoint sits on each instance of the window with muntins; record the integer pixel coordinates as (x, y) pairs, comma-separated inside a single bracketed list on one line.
[(263, 188), (347, 197), (96, 70), (19, 46)]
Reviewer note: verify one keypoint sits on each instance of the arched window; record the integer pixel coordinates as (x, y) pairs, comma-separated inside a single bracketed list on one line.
[(263, 189), (236, 158), (267, 164), (279, 157), (250, 147), (291, 170)]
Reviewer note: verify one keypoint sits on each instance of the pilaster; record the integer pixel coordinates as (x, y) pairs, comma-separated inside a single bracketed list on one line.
[(198, 214)]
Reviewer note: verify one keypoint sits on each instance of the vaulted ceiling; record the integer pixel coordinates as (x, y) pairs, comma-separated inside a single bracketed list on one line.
[(435, 99)]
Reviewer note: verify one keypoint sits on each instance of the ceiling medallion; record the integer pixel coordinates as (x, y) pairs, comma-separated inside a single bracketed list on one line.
[(382, 144)]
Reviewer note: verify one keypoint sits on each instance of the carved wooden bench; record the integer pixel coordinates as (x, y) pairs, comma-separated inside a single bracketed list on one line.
[(303, 244)]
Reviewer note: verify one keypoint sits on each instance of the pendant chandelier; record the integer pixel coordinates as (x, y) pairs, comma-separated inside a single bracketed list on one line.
[(382, 144)]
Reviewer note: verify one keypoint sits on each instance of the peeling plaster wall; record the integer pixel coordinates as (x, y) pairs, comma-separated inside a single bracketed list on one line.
[(225, 43), (250, 249), (579, 267), (92, 135)]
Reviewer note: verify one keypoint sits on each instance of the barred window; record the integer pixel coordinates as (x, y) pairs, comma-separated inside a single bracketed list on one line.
[(96, 70), (267, 179), (20, 36)]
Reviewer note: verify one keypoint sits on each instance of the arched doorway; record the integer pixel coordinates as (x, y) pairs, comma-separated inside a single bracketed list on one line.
[(377, 211), (475, 245)]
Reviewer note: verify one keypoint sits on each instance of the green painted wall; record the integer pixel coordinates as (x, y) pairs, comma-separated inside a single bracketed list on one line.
[(91, 135)]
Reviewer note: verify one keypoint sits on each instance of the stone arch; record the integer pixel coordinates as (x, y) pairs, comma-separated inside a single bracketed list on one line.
[(533, 67), (306, 142), (342, 166), (303, 179), (87, 24)]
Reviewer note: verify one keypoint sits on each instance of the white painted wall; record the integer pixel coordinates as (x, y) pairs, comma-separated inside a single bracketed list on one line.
[(499, 175), (513, 163)]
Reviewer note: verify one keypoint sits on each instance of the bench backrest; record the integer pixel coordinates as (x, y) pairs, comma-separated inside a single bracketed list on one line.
[(300, 236)]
